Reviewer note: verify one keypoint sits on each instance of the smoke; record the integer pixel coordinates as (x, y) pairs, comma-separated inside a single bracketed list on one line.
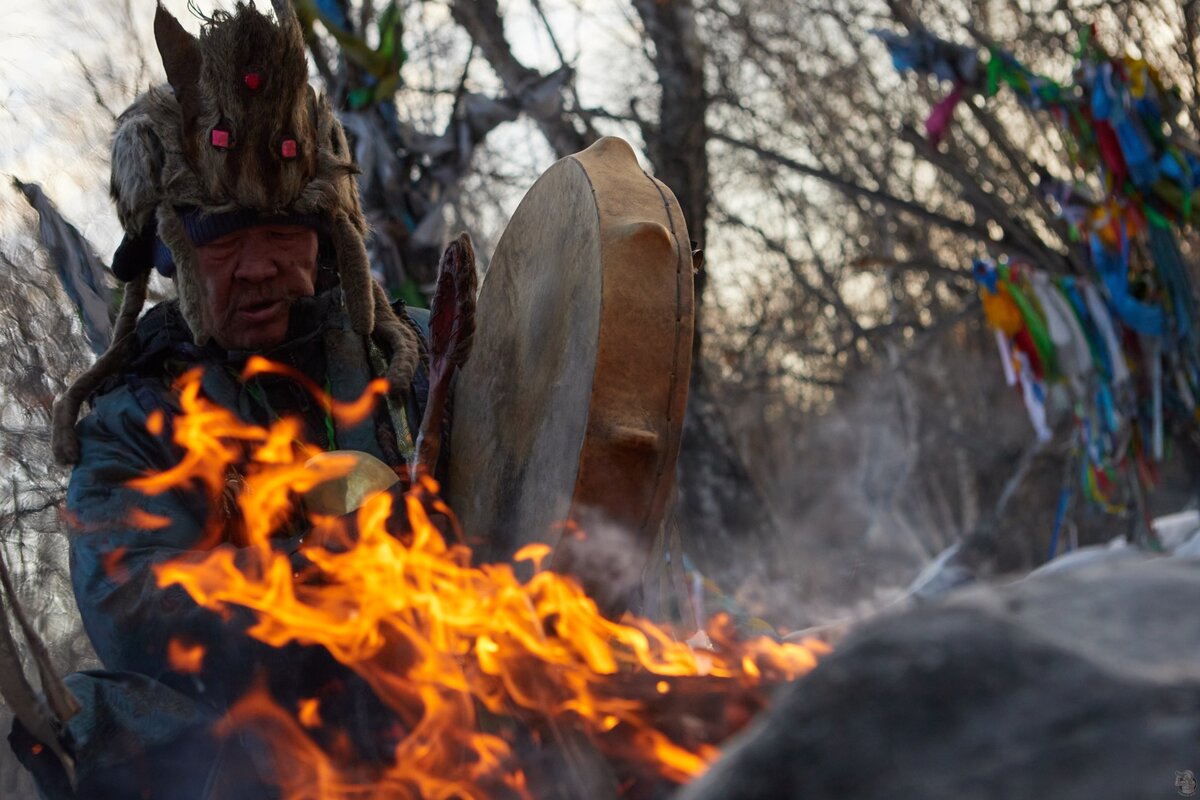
[(606, 558), (904, 464)]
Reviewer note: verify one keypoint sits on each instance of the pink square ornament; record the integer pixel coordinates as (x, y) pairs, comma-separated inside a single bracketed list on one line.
[(220, 139), (288, 148)]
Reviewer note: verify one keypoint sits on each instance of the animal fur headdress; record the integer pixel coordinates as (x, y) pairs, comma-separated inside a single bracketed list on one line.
[(237, 134)]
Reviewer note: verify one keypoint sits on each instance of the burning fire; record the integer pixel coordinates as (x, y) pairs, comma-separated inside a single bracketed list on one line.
[(470, 660)]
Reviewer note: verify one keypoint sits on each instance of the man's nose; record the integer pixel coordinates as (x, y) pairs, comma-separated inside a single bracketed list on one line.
[(257, 263)]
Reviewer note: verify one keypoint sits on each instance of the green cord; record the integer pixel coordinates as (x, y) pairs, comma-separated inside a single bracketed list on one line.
[(330, 434)]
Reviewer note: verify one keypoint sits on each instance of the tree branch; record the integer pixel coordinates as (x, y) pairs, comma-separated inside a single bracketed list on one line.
[(538, 94)]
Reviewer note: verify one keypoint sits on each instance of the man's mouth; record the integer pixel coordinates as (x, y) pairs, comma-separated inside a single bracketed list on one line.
[(261, 311)]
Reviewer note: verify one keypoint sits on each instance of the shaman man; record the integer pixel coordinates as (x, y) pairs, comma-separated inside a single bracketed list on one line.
[(236, 181)]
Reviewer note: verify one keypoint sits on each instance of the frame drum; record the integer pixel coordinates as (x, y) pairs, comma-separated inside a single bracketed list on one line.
[(571, 405)]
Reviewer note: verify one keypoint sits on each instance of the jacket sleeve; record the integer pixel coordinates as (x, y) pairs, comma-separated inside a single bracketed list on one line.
[(130, 619)]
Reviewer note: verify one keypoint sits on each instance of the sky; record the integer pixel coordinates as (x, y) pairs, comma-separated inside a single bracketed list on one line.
[(52, 131)]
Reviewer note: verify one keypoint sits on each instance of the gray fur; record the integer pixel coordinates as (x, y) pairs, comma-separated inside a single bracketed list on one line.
[(354, 272), (188, 285), (137, 165), (400, 340), (64, 443)]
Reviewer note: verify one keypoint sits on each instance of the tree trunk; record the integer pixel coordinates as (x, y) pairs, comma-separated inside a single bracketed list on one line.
[(719, 509)]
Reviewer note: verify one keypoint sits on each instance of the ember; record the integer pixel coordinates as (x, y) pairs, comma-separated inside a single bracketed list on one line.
[(453, 649)]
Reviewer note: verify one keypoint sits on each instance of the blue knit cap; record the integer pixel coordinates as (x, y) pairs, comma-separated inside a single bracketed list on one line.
[(203, 229)]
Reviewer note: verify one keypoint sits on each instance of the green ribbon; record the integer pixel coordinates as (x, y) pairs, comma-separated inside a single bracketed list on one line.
[(1037, 329), (993, 72)]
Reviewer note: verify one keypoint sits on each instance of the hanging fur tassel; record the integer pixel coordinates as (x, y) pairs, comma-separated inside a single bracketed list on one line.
[(187, 279), (400, 340), (64, 443), (354, 270)]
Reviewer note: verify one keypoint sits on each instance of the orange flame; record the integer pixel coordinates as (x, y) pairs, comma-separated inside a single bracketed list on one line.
[(438, 640), (347, 413), (184, 657), (140, 518), (309, 712), (113, 567)]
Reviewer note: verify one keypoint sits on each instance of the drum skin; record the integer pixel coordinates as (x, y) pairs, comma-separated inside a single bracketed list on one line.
[(571, 406)]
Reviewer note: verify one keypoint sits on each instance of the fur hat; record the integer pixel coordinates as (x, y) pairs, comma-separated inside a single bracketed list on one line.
[(237, 133)]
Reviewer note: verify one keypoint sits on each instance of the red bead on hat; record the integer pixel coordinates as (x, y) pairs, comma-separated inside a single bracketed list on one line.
[(288, 149), (220, 139), (252, 80)]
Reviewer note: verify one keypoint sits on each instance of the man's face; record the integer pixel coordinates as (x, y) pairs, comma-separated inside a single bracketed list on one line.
[(251, 278)]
